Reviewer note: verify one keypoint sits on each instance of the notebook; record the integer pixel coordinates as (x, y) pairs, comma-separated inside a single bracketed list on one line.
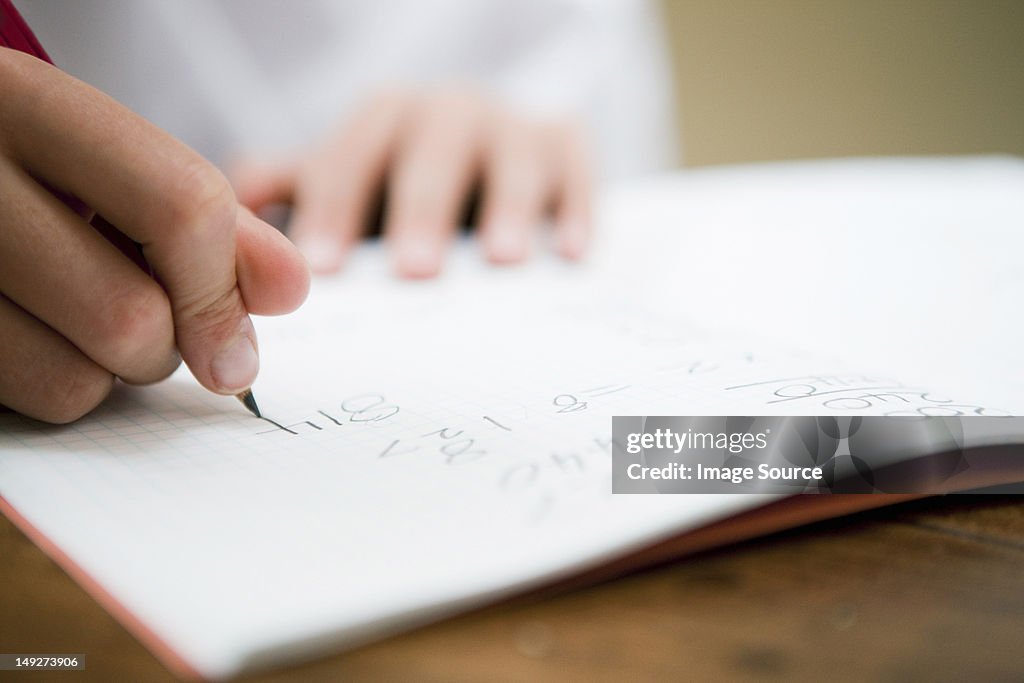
[(426, 447)]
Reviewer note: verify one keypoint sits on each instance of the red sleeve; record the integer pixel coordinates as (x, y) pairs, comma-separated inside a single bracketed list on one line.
[(15, 33)]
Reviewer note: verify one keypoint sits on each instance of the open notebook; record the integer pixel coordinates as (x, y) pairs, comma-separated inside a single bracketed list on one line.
[(428, 447)]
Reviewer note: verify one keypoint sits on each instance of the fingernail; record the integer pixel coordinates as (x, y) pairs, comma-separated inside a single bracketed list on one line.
[(323, 255), (573, 241), (508, 243), (419, 258), (234, 368)]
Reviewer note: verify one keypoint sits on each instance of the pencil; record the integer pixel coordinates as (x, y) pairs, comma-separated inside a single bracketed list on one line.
[(249, 401)]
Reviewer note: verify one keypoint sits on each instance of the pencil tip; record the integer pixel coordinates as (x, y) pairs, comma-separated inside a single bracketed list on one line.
[(249, 401)]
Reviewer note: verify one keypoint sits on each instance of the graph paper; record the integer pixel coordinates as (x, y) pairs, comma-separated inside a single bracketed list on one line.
[(426, 447)]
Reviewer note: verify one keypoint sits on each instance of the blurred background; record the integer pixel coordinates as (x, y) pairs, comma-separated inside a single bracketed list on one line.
[(780, 79)]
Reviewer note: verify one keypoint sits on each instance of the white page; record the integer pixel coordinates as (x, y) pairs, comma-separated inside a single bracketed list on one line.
[(909, 266), (230, 537), (238, 543)]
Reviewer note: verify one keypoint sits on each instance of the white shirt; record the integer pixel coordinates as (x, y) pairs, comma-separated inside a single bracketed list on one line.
[(231, 76)]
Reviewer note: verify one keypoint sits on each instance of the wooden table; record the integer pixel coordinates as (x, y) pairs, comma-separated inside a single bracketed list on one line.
[(930, 590)]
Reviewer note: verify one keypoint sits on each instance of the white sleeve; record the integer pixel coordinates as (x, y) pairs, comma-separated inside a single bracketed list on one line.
[(236, 75), (607, 61)]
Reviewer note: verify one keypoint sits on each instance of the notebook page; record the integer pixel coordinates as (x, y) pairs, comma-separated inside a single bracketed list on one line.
[(426, 446)]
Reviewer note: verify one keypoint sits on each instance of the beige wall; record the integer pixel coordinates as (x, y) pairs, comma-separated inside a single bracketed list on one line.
[(774, 79)]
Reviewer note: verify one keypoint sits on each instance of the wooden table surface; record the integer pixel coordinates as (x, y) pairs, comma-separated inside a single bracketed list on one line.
[(930, 590)]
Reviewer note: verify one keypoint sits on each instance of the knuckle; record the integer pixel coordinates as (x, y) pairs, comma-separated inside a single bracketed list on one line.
[(522, 181), (521, 184), (512, 126), (214, 317), (421, 201), (202, 198), (77, 388), (447, 114), (159, 368), (513, 200), (519, 200), (415, 189), (134, 322)]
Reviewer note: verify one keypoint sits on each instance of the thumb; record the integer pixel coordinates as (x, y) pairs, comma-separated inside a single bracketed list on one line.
[(213, 331), (215, 334)]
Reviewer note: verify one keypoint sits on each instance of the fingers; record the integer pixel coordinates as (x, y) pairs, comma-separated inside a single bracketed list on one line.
[(531, 167), (261, 183), (573, 213), (56, 266), (430, 177), (339, 181), (517, 185), (44, 375), (155, 190), (432, 151)]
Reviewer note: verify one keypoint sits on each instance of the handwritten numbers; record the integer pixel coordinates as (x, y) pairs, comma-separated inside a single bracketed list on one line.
[(368, 408), (567, 403)]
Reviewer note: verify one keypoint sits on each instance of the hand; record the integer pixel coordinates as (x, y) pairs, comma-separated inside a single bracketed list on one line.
[(75, 311), (430, 151)]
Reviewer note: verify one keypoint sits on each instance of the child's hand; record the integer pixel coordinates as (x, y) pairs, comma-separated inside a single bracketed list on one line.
[(75, 311), (430, 151)]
